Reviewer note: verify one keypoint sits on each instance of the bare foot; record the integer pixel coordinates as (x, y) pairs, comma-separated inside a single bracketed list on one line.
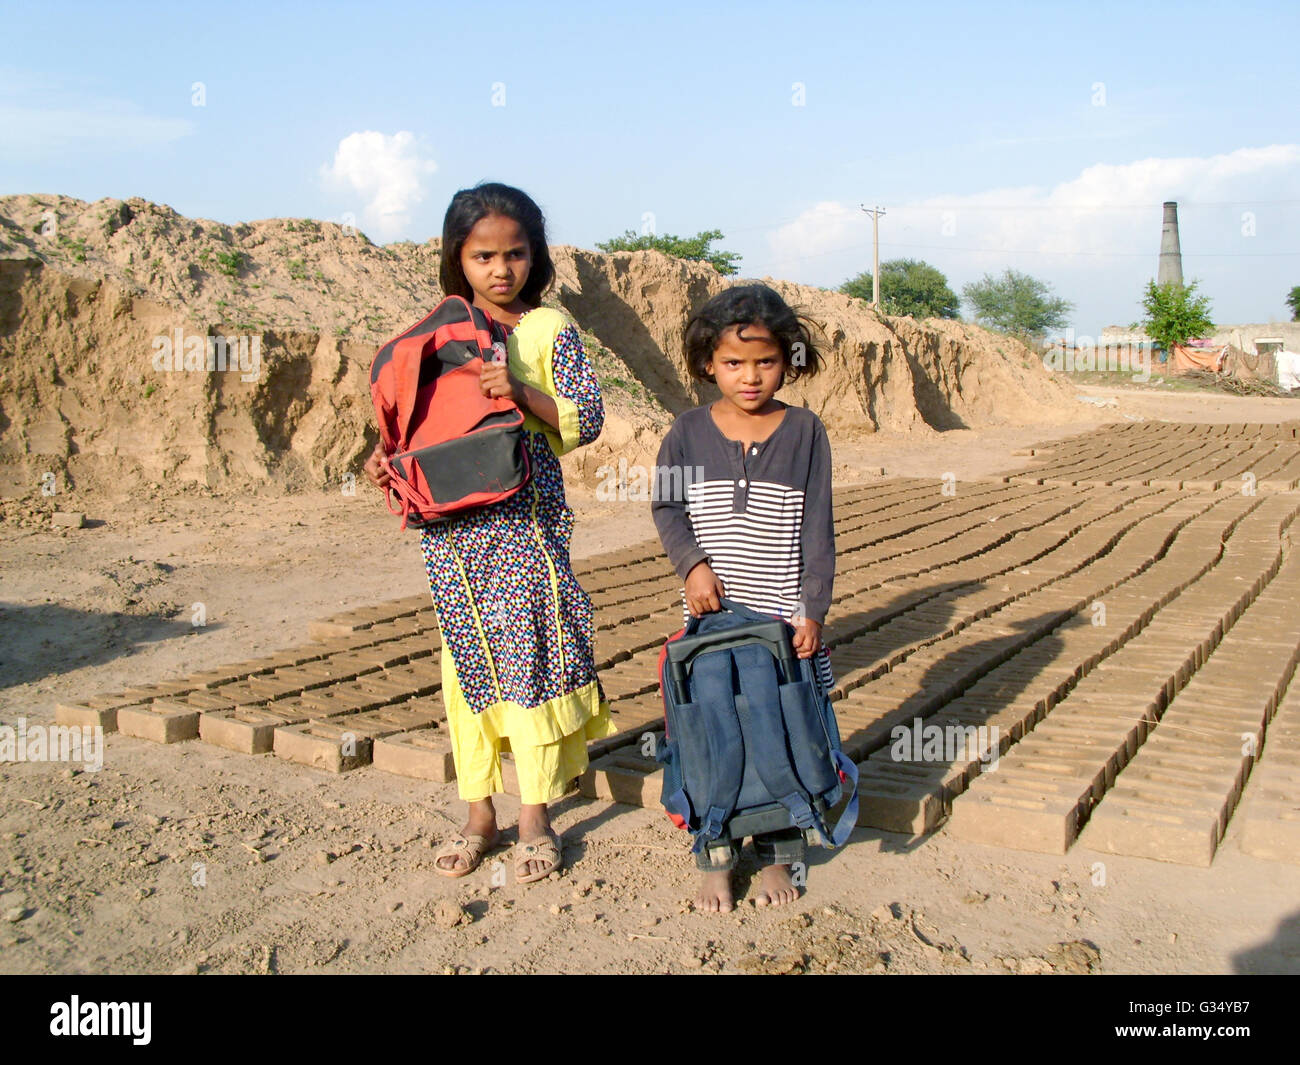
[(534, 825), (715, 893), (482, 821), (775, 888)]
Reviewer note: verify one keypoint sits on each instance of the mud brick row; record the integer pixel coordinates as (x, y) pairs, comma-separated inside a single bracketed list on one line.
[(939, 614), (420, 647), (1171, 456), (366, 617), (638, 635), (1071, 467), (348, 697), (346, 742), (910, 797), (619, 559), (1270, 815), (1027, 621), (366, 659), (1015, 696), (1027, 806), (411, 625), (420, 677), (617, 605), (635, 676), (628, 579), (1077, 472), (877, 558), (408, 716), (144, 692), (928, 505), (275, 685), (1175, 798), (98, 711)]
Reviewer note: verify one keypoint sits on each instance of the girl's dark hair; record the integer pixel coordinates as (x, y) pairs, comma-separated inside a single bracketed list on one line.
[(470, 206), (751, 305)]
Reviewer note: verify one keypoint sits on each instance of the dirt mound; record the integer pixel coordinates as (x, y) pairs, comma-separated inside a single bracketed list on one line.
[(139, 346)]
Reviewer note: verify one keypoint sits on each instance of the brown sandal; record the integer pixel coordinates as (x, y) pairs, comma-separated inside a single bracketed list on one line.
[(471, 848), (548, 850)]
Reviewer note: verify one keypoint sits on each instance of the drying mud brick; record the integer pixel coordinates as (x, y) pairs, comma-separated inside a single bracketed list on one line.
[(910, 798), (98, 711), (162, 721), (1159, 830), (344, 698), (250, 730), (625, 776), (323, 745), (982, 609), (391, 720), (424, 754), (1271, 829)]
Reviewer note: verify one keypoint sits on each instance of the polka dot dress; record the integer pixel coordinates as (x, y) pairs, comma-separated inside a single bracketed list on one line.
[(516, 621)]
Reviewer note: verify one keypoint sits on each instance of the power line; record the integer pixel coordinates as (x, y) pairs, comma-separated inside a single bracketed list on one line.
[(1182, 204), (1020, 251)]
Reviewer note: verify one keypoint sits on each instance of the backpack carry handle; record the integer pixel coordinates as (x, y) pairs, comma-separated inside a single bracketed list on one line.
[(785, 650), (763, 629)]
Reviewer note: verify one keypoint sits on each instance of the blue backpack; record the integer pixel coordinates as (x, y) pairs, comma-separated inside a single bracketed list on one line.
[(751, 743)]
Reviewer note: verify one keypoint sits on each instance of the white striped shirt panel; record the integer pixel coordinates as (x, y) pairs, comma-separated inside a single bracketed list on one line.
[(756, 552)]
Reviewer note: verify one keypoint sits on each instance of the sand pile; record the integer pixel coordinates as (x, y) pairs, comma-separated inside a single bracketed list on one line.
[(106, 310)]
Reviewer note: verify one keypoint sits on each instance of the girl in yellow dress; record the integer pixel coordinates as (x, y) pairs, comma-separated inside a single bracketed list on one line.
[(518, 671)]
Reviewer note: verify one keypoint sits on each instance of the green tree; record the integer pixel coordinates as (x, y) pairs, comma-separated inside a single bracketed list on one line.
[(907, 286), (696, 248), (1293, 301), (1175, 314), (1017, 303)]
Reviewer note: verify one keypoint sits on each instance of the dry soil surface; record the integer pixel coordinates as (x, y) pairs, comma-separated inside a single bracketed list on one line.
[(189, 858)]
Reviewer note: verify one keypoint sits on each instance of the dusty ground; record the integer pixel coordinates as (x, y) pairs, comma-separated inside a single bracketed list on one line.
[(190, 858)]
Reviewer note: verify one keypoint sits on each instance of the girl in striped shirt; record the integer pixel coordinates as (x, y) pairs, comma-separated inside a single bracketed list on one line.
[(752, 520)]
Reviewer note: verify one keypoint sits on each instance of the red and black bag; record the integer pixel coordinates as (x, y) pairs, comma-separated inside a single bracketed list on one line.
[(450, 448)]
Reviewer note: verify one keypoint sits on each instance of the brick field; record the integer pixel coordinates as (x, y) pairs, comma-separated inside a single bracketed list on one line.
[(1105, 640)]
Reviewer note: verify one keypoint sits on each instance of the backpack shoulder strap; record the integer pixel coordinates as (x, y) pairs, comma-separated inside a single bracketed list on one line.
[(714, 699), (759, 708)]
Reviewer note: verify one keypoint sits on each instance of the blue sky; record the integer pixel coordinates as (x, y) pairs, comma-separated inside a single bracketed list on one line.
[(1043, 139)]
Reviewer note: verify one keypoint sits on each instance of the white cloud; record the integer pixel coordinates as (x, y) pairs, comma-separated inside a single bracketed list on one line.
[(827, 228), (1105, 209), (386, 172), (1095, 236)]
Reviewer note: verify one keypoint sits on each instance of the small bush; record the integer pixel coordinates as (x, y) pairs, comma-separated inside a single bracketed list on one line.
[(230, 263)]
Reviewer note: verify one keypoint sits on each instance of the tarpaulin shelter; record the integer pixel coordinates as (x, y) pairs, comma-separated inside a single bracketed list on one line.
[(1224, 360)]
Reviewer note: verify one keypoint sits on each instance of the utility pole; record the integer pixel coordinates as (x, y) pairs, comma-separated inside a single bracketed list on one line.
[(875, 213)]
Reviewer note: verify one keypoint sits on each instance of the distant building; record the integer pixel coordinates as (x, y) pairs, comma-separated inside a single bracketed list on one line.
[(1259, 338)]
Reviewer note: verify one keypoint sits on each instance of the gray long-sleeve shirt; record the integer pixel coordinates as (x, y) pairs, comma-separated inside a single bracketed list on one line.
[(759, 514)]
